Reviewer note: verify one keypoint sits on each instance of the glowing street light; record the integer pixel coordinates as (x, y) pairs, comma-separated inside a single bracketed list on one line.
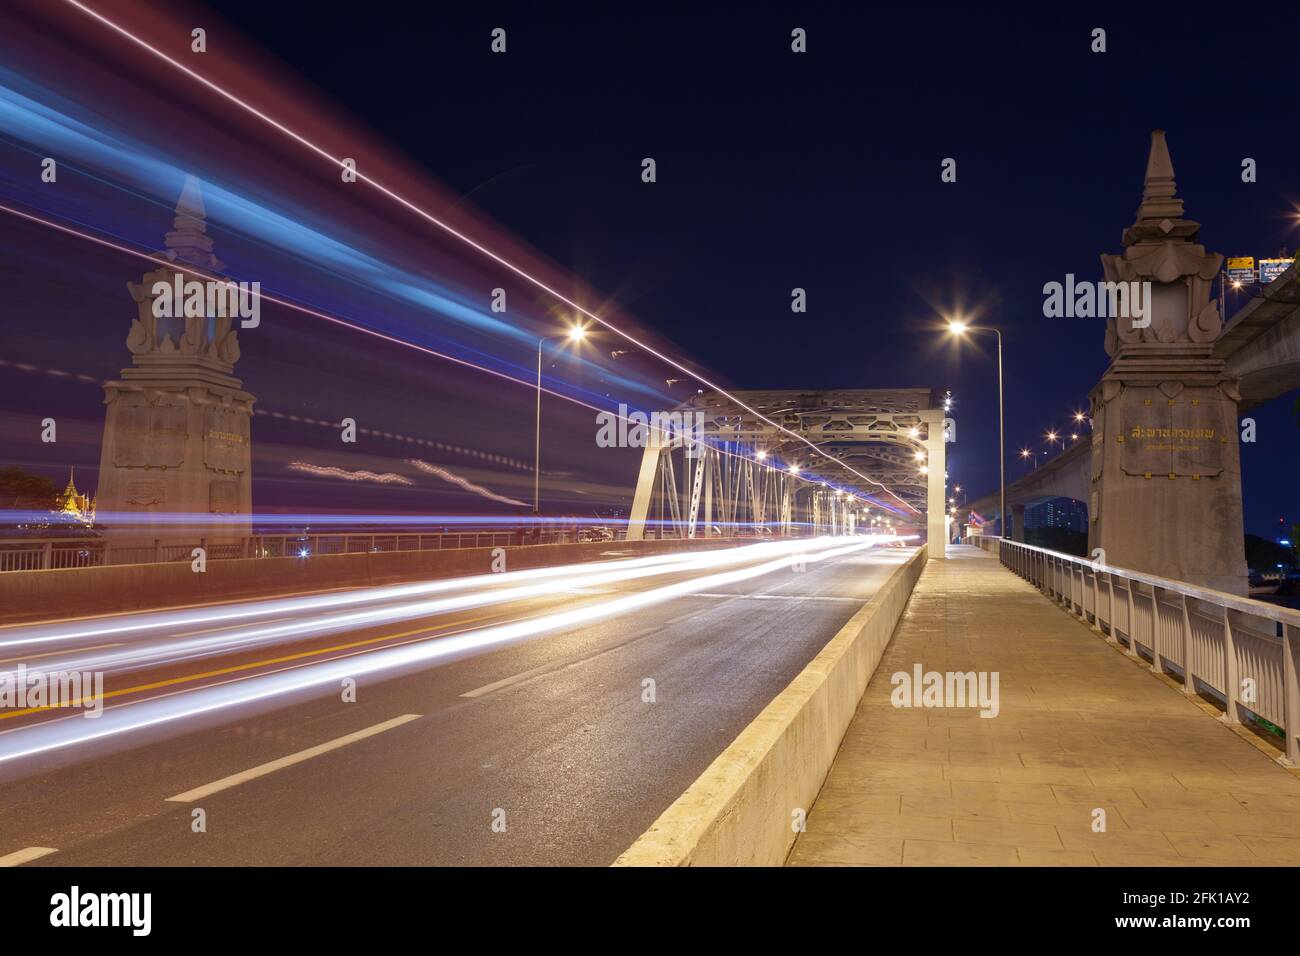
[(958, 327)]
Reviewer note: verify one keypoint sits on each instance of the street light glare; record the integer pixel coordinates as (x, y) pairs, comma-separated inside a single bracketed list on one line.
[(577, 333), (956, 326)]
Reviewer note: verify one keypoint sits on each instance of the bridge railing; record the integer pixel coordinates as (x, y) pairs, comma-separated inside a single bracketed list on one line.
[(1246, 652)]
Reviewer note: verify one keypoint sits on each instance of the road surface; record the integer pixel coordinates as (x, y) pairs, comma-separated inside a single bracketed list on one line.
[(517, 726)]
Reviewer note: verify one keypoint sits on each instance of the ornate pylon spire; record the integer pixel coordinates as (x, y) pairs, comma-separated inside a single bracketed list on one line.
[(1160, 216), (1160, 248), (188, 240)]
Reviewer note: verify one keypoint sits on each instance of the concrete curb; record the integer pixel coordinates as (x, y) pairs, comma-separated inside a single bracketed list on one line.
[(740, 810)]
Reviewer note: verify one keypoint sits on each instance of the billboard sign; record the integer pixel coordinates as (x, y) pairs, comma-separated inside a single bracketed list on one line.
[(1241, 269), (1270, 269)]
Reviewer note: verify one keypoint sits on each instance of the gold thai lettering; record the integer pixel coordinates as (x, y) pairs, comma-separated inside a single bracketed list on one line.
[(1193, 434)]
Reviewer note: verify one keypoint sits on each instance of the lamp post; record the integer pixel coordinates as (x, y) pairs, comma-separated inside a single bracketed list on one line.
[(575, 334), (959, 328)]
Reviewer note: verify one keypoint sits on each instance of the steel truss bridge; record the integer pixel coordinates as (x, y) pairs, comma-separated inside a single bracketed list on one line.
[(875, 443)]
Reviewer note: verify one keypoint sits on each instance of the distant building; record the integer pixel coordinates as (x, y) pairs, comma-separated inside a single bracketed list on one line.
[(75, 506), (1064, 513)]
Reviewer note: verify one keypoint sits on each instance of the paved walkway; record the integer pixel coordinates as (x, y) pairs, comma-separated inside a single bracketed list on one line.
[(1080, 728)]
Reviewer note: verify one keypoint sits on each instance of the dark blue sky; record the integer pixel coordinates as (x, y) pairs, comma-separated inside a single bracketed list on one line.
[(821, 170), (775, 170)]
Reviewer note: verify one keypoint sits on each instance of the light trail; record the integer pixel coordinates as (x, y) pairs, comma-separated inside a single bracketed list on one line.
[(333, 471), (122, 626), (393, 340), (575, 576), (439, 472), (134, 717), (296, 523), (462, 237)]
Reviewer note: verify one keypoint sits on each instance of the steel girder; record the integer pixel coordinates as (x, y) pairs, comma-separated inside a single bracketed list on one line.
[(872, 436)]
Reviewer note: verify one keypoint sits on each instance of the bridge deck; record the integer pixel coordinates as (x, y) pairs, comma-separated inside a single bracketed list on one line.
[(1080, 727)]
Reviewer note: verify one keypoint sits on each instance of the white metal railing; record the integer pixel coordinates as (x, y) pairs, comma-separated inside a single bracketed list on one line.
[(1246, 652), (38, 554)]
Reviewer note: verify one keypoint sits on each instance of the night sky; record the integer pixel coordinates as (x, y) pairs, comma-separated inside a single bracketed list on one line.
[(822, 171)]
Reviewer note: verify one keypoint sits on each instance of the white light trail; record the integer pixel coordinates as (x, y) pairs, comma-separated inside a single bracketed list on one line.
[(488, 592), (332, 471), (134, 717), (439, 472)]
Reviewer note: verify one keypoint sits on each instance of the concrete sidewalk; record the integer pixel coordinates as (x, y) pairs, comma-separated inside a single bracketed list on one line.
[(1080, 729)]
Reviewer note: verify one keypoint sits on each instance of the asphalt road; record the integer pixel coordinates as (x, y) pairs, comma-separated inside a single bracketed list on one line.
[(530, 748)]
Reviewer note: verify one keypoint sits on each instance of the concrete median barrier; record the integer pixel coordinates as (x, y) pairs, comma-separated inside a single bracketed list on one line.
[(742, 810)]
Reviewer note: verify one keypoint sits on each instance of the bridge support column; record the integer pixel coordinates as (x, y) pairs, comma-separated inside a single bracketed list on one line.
[(936, 494), (786, 505), (1018, 523), (1166, 471), (645, 486), (177, 424)]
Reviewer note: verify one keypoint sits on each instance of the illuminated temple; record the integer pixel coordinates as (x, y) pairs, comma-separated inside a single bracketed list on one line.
[(74, 505)]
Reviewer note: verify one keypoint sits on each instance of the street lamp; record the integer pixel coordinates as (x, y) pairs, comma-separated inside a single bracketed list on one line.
[(575, 334), (959, 328)]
